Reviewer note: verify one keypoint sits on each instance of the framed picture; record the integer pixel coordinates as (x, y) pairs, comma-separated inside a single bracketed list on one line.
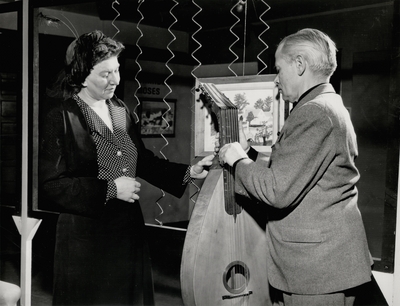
[(157, 117), (260, 110)]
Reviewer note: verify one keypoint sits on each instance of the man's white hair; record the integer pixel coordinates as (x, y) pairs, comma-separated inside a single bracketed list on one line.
[(314, 46)]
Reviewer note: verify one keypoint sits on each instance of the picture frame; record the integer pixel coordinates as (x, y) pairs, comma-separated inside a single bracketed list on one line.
[(157, 117), (262, 120)]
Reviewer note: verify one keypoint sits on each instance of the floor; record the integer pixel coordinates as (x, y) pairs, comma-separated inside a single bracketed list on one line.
[(166, 269)]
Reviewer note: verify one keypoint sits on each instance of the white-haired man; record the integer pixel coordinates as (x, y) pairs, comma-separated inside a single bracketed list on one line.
[(318, 252)]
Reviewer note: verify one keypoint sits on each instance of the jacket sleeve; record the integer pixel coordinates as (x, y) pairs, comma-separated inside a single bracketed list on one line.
[(62, 188), (160, 172), (297, 162)]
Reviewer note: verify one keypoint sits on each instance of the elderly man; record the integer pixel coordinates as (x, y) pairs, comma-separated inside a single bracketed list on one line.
[(318, 252)]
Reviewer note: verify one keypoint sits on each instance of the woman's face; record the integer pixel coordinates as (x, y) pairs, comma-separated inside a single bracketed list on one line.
[(103, 79)]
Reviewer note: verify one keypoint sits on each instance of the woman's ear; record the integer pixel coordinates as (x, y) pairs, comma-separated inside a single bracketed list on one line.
[(301, 65)]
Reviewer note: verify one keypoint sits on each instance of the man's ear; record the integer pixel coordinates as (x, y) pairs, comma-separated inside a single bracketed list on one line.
[(300, 65)]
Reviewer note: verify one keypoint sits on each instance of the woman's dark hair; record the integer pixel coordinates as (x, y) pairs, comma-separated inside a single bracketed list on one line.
[(82, 55)]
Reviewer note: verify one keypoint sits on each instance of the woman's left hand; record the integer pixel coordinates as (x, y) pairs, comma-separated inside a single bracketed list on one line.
[(198, 170)]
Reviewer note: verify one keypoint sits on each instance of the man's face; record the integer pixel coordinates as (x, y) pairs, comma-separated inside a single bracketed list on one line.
[(103, 79), (286, 78)]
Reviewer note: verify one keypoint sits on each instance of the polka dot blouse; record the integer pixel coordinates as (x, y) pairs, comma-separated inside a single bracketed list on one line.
[(116, 153)]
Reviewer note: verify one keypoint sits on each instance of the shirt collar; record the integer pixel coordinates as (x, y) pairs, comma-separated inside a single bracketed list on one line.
[(305, 93)]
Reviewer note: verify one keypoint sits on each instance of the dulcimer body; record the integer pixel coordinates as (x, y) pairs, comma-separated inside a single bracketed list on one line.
[(224, 255)]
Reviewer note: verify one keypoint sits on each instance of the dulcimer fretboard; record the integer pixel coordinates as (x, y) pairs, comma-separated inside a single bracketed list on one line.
[(224, 116)]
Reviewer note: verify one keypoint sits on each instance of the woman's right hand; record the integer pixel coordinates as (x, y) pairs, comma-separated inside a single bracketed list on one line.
[(127, 189)]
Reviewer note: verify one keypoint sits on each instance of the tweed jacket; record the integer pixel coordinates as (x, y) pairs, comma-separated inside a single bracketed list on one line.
[(69, 169), (316, 237)]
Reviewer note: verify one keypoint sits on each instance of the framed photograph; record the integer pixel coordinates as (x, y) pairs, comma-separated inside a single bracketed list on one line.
[(157, 117), (260, 110)]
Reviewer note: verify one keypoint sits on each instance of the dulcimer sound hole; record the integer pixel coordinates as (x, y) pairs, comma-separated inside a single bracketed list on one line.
[(236, 277)]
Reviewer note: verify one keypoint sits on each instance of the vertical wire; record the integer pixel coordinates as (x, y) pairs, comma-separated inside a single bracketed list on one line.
[(160, 207), (199, 46), (236, 38), (244, 37), (137, 61), (260, 36), (138, 9), (165, 101), (118, 14), (168, 76)]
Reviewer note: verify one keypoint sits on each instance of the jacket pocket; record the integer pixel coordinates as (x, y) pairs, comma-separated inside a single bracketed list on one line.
[(301, 235)]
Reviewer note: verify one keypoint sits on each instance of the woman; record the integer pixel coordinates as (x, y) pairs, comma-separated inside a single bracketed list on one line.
[(91, 154)]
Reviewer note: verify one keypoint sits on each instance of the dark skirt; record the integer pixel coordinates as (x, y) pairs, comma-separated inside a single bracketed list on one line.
[(103, 261)]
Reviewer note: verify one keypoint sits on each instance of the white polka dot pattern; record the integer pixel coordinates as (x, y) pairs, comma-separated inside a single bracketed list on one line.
[(116, 153)]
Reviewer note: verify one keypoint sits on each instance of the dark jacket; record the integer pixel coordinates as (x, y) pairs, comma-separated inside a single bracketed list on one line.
[(68, 163), (101, 255)]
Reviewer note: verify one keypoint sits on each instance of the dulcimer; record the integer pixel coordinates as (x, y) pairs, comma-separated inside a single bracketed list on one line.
[(225, 249)]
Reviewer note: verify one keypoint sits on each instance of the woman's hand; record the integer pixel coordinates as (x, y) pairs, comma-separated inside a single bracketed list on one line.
[(198, 170), (127, 189)]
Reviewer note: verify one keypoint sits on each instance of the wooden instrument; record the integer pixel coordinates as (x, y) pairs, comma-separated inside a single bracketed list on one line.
[(224, 254)]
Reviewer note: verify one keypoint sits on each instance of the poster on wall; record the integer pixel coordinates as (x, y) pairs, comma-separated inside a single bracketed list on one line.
[(157, 117)]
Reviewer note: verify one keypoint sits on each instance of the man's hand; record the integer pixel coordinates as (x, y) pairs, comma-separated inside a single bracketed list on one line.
[(230, 153)]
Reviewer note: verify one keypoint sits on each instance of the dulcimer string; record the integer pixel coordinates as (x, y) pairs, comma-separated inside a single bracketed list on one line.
[(230, 130)]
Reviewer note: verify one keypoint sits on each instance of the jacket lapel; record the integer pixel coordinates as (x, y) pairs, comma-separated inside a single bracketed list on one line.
[(104, 131), (118, 115), (101, 128)]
